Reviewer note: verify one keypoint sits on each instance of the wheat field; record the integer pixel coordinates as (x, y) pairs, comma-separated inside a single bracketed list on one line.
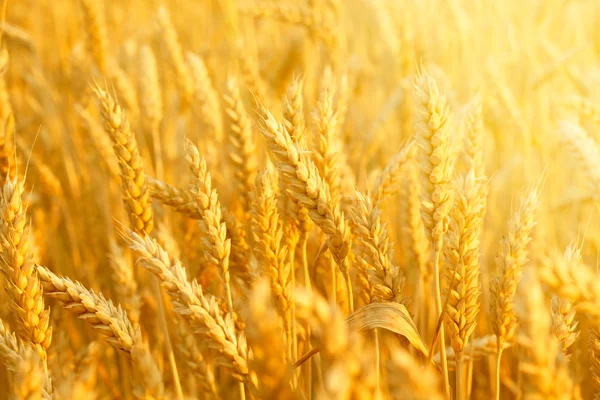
[(300, 199)]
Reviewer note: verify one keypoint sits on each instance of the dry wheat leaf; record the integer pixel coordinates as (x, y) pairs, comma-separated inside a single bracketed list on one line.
[(391, 316)]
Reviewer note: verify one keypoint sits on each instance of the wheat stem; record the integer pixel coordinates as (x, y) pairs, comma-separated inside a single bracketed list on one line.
[(438, 306)]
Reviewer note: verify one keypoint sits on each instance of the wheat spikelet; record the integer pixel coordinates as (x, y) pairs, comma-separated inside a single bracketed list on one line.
[(126, 286), (29, 377), (291, 14), (408, 380), (585, 150), (418, 244), (249, 70), (9, 347), (101, 140), (388, 180), (179, 199), (584, 107), (308, 188), (545, 369), (269, 362), (375, 251), (133, 178), (293, 111), (338, 347), (18, 36), (7, 123), (328, 148), (239, 259), (270, 250), (462, 256), (294, 214), (511, 261), (21, 280), (573, 281), (474, 137), (125, 90), (96, 31), (563, 325), (183, 76), (207, 98), (201, 369), (149, 87), (478, 348), (243, 155), (50, 182)]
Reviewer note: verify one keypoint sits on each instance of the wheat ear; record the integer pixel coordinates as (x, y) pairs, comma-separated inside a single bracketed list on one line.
[(388, 180), (269, 356), (308, 187), (328, 146), (545, 369), (431, 126), (462, 272), (240, 138), (215, 231), (21, 280), (183, 75), (152, 104), (93, 308), (203, 313), (96, 32), (206, 97), (563, 325), (510, 262), (375, 250), (135, 189), (270, 250), (31, 381), (109, 321)]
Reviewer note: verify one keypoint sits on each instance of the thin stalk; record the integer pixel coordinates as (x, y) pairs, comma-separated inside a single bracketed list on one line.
[(519, 381), (497, 380), (163, 322), (378, 365), (156, 146), (293, 276), (459, 376), (307, 280), (230, 304), (308, 284), (470, 371), (438, 306), (421, 305), (332, 269), (349, 289), (294, 342)]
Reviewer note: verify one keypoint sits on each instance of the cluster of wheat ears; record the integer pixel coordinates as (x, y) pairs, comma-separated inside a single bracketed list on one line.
[(310, 199)]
